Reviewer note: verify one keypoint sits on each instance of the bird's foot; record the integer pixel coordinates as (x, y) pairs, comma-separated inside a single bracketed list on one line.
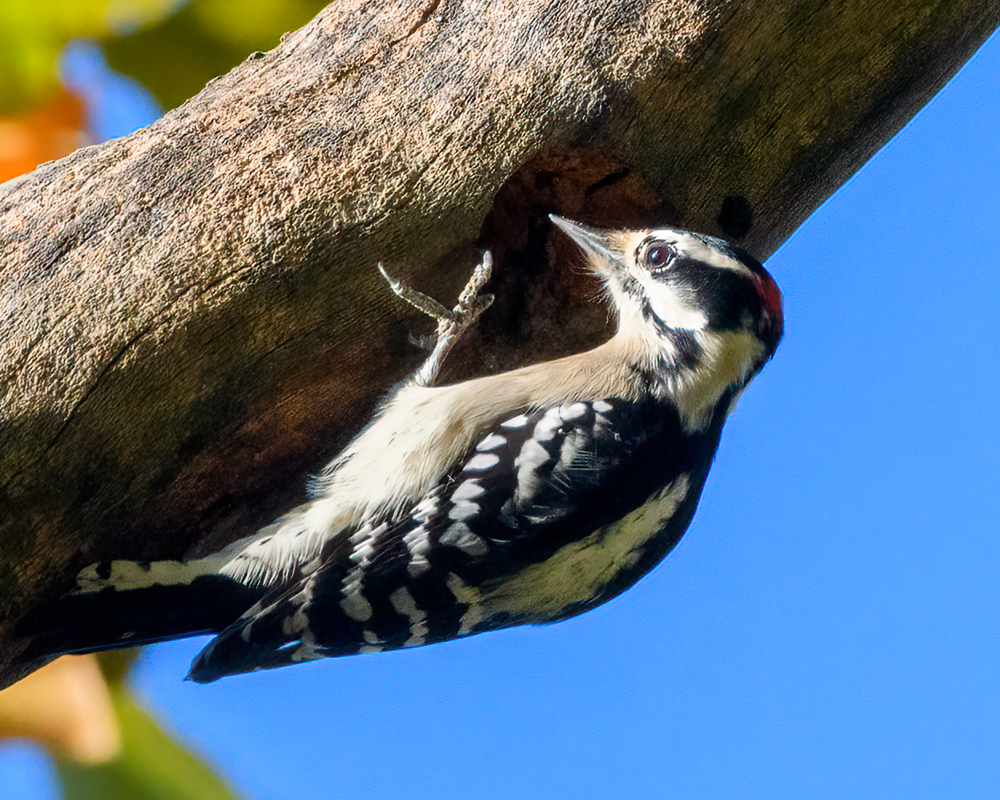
[(451, 325)]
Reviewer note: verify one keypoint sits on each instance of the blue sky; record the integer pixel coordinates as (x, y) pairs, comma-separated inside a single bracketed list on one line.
[(829, 627)]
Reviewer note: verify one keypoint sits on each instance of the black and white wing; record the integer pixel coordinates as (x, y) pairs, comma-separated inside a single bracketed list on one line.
[(533, 526)]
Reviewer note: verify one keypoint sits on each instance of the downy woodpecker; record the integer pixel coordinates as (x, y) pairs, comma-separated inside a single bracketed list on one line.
[(524, 497)]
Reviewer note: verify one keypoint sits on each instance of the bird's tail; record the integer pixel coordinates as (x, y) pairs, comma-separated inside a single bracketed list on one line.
[(125, 603)]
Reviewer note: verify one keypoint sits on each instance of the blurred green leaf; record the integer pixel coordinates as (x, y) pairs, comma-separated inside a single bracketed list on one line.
[(151, 766), (32, 35), (175, 58), (116, 664)]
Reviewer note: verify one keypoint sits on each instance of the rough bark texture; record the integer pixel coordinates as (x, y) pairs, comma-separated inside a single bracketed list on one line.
[(191, 317)]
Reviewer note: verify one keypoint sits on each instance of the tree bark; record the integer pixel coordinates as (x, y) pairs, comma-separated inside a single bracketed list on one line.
[(192, 320)]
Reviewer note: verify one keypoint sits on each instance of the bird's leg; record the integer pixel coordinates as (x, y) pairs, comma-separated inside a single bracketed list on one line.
[(450, 324)]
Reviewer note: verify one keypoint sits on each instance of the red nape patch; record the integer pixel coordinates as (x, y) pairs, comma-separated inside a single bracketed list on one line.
[(770, 295)]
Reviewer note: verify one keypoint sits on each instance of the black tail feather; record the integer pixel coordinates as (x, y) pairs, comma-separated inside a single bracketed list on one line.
[(111, 618)]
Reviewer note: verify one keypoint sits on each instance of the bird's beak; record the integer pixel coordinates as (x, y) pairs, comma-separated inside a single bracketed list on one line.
[(600, 246)]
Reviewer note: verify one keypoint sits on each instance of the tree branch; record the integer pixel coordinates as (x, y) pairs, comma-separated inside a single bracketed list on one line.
[(192, 319)]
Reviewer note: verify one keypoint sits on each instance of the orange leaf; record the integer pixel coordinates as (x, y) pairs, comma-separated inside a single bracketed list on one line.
[(55, 129)]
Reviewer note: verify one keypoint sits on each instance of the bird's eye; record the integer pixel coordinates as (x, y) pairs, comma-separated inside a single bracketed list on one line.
[(658, 255)]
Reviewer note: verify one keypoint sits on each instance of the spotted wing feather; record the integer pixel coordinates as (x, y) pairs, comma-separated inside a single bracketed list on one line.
[(521, 485)]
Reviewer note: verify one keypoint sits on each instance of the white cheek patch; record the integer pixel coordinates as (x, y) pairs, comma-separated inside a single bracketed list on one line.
[(670, 306)]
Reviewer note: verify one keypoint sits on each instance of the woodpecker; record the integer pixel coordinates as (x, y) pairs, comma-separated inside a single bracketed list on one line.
[(524, 497)]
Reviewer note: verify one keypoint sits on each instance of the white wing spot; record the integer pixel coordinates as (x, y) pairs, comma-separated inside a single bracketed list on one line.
[(294, 624), (468, 490), (426, 508), (470, 619), (533, 455), (463, 511), (573, 412), (356, 607), (418, 544), (467, 596), (491, 442), (547, 427), (354, 603), (458, 535), (305, 652), (404, 603), (482, 462), (571, 447)]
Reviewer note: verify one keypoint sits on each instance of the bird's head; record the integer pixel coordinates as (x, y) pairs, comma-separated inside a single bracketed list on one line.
[(695, 308)]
